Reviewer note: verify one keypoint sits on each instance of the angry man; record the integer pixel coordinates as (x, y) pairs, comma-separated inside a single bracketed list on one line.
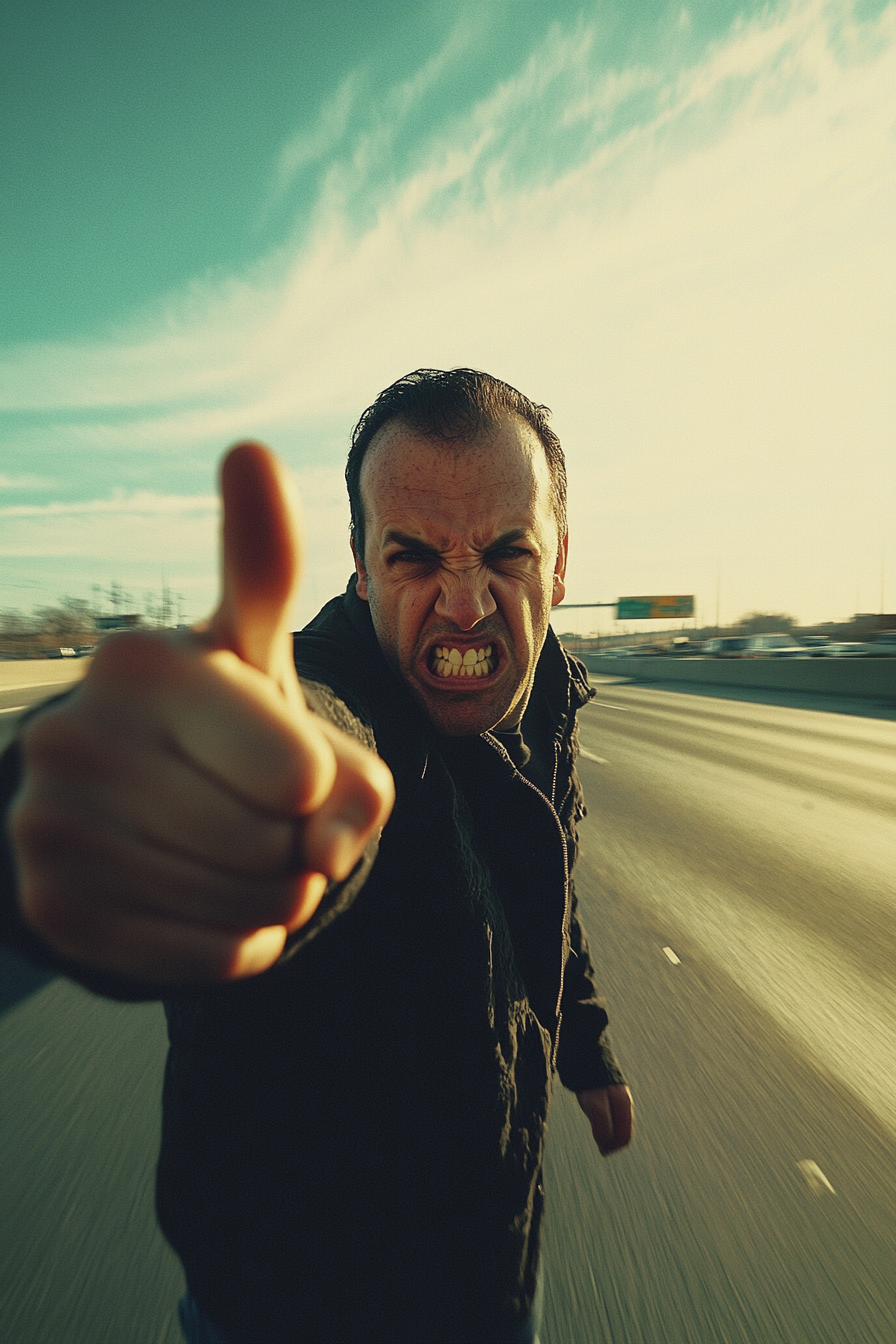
[(343, 859)]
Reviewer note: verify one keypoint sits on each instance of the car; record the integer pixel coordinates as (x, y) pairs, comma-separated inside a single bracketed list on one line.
[(843, 649), (774, 646), (681, 647), (729, 646), (815, 645), (880, 644)]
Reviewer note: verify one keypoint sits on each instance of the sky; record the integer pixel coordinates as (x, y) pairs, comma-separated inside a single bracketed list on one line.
[(674, 225)]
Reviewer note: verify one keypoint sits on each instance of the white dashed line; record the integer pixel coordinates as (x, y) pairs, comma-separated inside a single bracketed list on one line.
[(590, 756), (11, 709), (676, 961), (605, 704), (816, 1180)]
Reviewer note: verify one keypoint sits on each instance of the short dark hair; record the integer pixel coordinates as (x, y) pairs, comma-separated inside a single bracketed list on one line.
[(456, 406)]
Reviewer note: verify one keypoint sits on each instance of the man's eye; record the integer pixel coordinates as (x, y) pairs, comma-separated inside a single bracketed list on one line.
[(508, 553), (410, 558)]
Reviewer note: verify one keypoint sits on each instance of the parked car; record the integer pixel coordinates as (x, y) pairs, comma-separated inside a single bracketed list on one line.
[(730, 646), (774, 646)]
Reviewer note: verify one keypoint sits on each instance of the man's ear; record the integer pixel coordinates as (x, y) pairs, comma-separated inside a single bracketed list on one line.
[(361, 572), (559, 592)]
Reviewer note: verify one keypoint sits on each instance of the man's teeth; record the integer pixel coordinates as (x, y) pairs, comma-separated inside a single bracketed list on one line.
[(450, 662)]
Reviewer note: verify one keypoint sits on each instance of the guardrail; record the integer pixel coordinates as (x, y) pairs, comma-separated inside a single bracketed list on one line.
[(865, 678)]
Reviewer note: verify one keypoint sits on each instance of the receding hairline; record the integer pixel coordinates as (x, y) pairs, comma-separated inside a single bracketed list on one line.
[(455, 445)]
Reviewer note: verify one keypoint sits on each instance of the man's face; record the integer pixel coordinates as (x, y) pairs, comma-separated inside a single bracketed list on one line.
[(462, 565)]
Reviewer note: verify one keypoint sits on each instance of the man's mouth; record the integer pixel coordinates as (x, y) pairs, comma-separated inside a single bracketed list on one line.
[(448, 661)]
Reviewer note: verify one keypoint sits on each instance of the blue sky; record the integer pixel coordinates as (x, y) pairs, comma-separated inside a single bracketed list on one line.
[(672, 224)]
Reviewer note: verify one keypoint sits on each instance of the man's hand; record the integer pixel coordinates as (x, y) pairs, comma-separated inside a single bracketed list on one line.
[(183, 810), (611, 1114)]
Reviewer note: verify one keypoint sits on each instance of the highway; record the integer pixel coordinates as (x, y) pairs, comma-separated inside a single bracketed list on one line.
[(736, 877)]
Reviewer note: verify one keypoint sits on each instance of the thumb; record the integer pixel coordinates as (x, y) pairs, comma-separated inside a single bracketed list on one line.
[(261, 556)]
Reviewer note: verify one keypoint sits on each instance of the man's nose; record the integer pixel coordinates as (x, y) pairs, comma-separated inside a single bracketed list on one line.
[(465, 599)]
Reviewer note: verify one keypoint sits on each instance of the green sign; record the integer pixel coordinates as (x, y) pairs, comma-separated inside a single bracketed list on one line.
[(653, 608)]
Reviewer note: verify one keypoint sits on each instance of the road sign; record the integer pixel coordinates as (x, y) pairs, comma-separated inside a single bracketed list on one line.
[(653, 608)]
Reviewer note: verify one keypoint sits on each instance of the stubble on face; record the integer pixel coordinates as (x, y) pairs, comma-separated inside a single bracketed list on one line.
[(462, 565)]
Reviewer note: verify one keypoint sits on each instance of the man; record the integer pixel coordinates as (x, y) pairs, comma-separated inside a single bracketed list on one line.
[(364, 1013)]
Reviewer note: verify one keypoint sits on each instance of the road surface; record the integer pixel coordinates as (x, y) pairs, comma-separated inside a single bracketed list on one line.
[(737, 878)]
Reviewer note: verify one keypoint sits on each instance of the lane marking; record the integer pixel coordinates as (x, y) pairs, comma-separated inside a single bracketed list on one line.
[(676, 961), (590, 756), (12, 709), (605, 704), (816, 1180), (30, 685)]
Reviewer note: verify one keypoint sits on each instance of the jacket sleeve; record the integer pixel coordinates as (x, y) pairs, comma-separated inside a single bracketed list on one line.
[(585, 1056), (18, 936)]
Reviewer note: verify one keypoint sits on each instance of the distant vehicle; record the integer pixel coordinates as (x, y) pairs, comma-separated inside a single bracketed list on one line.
[(774, 646), (65, 651), (842, 649), (730, 646), (882, 644), (683, 647), (816, 644)]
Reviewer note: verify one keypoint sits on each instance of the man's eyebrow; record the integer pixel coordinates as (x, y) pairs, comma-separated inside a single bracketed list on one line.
[(508, 538), (393, 537)]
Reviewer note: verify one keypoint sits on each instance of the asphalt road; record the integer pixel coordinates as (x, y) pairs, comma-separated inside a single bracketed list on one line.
[(755, 842)]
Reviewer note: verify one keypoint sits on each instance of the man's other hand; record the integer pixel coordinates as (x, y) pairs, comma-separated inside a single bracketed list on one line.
[(611, 1113), (183, 810)]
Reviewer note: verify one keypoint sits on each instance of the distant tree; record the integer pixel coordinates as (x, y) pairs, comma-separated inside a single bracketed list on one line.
[(71, 617), (69, 622), (766, 623)]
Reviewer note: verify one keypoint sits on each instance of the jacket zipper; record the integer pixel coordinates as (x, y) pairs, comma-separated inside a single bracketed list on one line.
[(564, 932)]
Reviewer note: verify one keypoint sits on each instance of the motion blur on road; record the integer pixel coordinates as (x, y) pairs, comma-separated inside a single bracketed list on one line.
[(737, 880)]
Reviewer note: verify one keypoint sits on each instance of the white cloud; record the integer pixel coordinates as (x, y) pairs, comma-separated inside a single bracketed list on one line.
[(704, 295)]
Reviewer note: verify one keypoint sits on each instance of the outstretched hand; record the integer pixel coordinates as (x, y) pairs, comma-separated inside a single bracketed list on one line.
[(183, 810), (611, 1113)]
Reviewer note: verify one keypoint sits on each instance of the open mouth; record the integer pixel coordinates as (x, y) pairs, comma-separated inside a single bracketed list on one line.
[(447, 661)]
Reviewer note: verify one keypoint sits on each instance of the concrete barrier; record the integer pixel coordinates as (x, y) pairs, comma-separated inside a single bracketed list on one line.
[(17, 674), (863, 678)]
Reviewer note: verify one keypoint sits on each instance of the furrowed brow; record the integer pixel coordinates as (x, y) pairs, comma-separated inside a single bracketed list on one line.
[(508, 538), (395, 538)]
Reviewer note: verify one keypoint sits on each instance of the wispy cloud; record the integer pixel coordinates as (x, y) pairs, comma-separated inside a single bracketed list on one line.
[(691, 263), (25, 481), (310, 146), (143, 503)]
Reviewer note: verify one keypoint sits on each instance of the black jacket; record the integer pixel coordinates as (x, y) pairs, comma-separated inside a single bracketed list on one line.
[(352, 1141)]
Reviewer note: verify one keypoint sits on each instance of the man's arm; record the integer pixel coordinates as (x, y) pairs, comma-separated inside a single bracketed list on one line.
[(182, 812)]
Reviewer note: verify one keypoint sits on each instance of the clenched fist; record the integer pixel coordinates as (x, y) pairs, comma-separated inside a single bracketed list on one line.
[(183, 810)]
